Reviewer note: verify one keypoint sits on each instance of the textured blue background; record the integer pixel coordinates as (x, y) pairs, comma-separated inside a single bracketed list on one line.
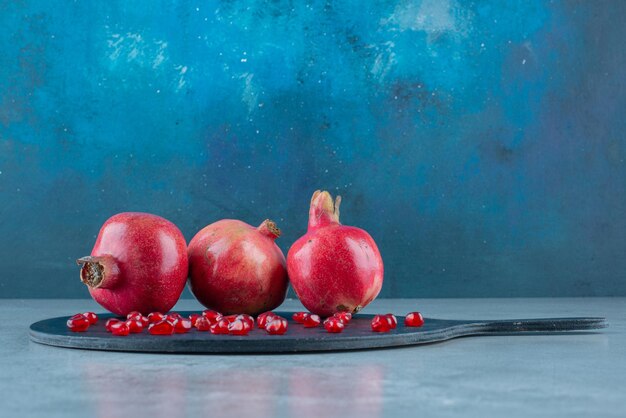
[(481, 143)]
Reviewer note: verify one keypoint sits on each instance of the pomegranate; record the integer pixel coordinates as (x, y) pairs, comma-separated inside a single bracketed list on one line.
[(139, 263), (236, 268), (333, 267)]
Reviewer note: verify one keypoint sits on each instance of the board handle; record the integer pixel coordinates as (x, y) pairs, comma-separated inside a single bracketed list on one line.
[(544, 325)]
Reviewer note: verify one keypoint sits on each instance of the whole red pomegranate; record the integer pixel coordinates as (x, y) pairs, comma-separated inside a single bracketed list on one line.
[(237, 268), (139, 263), (333, 267)]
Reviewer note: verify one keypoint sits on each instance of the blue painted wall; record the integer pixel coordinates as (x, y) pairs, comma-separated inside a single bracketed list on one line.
[(481, 143)]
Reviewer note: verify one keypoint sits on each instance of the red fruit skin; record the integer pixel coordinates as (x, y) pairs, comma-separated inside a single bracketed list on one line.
[(236, 268), (145, 264), (334, 267)]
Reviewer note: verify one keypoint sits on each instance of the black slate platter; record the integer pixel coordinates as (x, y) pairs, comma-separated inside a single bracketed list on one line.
[(357, 335)]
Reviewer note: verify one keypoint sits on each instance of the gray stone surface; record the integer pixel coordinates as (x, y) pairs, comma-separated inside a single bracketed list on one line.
[(542, 375)]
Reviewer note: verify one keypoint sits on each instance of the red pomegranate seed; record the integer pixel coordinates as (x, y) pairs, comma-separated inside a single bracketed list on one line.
[(230, 318), (110, 322), (414, 319), (277, 326), (182, 325), (380, 323), (212, 316), (134, 315), (161, 328), (155, 317), (78, 323), (247, 319), (139, 317), (299, 317), (92, 317), (239, 327), (203, 324), (220, 327), (173, 317), (334, 324), (121, 329), (311, 321), (135, 326), (391, 318), (264, 318), (344, 317), (194, 317)]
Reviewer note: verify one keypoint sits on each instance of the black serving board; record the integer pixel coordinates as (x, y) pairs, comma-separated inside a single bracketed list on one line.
[(357, 335)]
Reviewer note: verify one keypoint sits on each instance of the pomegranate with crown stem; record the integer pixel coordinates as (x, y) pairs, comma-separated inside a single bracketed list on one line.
[(333, 267)]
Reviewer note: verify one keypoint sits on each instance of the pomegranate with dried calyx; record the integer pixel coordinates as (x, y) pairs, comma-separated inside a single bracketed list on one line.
[(333, 267), (235, 268), (139, 263)]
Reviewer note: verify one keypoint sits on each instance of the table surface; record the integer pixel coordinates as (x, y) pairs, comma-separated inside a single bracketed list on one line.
[(569, 375)]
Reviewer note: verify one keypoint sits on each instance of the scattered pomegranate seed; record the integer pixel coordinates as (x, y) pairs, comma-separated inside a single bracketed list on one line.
[(155, 317), (78, 323), (220, 327), (239, 327), (414, 319), (299, 317), (391, 318), (247, 319), (202, 324), (92, 317), (133, 315), (311, 321), (344, 317), (163, 327), (182, 325), (380, 323), (110, 322), (334, 324), (139, 317), (135, 326), (212, 316), (264, 318), (277, 326), (230, 318), (122, 329), (172, 317), (194, 317)]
